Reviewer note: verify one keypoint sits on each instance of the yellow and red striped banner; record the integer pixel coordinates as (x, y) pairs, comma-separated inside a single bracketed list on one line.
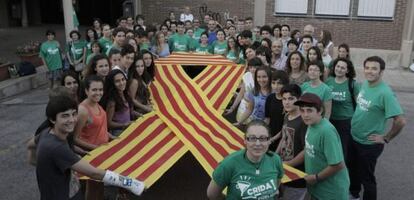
[(187, 116)]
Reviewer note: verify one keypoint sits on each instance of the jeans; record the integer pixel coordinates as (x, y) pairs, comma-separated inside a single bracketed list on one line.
[(363, 159)]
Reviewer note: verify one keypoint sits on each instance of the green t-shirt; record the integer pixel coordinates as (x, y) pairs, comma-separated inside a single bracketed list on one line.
[(231, 55), (342, 107), (241, 58), (219, 48), (89, 58), (50, 52), (105, 44), (238, 174), (88, 49), (323, 148), (203, 49), (374, 106), (144, 45), (75, 49), (323, 91), (193, 44), (179, 42), (197, 33)]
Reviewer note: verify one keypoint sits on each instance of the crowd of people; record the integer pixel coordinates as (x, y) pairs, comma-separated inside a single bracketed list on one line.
[(298, 104)]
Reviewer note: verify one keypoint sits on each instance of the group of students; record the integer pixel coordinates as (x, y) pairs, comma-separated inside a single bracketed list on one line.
[(299, 106), (315, 117)]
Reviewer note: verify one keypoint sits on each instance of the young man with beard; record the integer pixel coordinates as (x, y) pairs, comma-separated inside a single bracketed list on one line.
[(376, 102)]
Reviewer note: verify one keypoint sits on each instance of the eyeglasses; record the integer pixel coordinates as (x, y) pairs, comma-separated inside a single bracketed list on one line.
[(255, 139)]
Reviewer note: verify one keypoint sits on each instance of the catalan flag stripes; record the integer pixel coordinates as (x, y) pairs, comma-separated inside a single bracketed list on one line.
[(188, 113)]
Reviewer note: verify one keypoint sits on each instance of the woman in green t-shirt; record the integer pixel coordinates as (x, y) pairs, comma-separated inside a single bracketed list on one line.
[(76, 51), (220, 45), (203, 46), (91, 36), (250, 173), (316, 86), (233, 50), (344, 93)]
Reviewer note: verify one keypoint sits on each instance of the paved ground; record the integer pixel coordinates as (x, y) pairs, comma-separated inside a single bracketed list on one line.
[(21, 114)]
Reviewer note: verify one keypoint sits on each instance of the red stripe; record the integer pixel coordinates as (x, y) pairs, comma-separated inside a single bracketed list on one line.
[(201, 119), (161, 161), (134, 151), (291, 175), (220, 100), (149, 154), (208, 72), (180, 113), (210, 160), (219, 84), (189, 62), (208, 111), (108, 153), (217, 73)]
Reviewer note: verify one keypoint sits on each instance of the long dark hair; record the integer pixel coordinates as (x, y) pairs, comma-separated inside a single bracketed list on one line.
[(257, 88), (142, 91), (302, 62), (318, 54), (111, 92), (150, 69)]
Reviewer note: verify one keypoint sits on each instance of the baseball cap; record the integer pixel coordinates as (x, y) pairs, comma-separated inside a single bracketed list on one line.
[(309, 99)]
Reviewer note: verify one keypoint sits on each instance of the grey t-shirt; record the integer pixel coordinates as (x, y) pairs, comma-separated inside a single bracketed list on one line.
[(53, 171)]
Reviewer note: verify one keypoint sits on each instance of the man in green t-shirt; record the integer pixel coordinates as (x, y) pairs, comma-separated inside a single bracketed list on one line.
[(105, 41), (324, 162), (179, 42), (376, 103), (52, 58), (118, 36)]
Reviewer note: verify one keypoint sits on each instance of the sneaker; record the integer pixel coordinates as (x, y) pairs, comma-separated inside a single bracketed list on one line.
[(351, 197)]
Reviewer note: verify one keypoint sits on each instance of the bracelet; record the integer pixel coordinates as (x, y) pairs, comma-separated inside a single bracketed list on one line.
[(386, 140), (317, 178)]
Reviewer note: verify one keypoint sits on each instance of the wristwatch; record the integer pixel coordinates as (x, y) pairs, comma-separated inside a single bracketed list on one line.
[(386, 140)]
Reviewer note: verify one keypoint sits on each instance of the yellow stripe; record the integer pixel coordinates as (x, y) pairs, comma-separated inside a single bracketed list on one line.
[(177, 98), (117, 155), (228, 95), (154, 158), (164, 167), (96, 152), (228, 137), (216, 81), (211, 75), (202, 73), (182, 85)]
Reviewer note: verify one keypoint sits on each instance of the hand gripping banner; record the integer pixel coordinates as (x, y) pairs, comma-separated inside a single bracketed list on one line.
[(186, 117)]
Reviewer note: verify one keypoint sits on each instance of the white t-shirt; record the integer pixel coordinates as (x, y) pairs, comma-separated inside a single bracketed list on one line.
[(185, 17)]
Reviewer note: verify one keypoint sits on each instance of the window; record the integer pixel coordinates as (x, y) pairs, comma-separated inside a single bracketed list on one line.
[(376, 8), (332, 7), (291, 6)]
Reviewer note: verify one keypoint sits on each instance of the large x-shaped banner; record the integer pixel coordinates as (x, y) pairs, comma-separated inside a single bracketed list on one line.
[(187, 116)]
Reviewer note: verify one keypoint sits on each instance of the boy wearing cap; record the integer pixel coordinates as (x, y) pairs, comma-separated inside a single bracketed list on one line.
[(376, 103), (324, 162)]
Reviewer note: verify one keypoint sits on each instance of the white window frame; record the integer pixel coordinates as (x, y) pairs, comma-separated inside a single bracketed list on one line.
[(388, 7), (332, 7), (291, 7)]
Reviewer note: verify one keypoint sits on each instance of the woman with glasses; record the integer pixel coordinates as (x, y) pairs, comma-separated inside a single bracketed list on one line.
[(251, 173)]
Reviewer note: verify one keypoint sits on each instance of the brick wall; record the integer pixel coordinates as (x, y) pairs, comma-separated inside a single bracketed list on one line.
[(357, 33), (157, 10)]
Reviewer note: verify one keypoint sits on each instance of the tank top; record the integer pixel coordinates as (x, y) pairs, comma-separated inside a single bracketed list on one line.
[(96, 129)]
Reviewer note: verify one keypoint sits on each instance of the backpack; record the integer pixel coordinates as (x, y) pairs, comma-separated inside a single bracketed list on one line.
[(26, 68)]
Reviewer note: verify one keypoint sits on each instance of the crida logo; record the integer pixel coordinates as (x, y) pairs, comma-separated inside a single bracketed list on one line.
[(243, 184)]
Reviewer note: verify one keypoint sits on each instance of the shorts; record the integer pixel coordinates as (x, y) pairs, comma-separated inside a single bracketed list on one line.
[(54, 75)]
